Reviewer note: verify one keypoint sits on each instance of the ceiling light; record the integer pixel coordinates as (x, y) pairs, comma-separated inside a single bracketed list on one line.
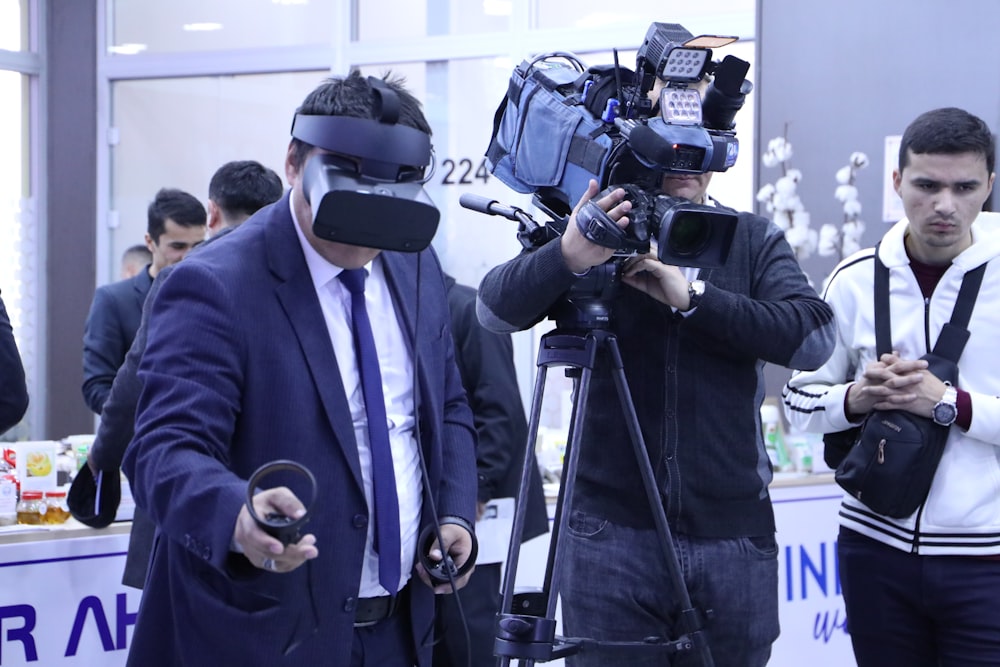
[(127, 49), (497, 7), (202, 27)]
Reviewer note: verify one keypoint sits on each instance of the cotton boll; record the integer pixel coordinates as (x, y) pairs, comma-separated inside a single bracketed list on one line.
[(846, 193)]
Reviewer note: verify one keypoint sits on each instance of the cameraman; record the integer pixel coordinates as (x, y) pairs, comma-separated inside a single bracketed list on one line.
[(693, 344)]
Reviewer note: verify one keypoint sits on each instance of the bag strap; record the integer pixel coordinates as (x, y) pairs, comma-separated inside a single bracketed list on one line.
[(954, 334), (883, 335)]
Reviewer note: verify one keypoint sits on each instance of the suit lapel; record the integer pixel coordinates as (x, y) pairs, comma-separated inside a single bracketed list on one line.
[(141, 283), (298, 299)]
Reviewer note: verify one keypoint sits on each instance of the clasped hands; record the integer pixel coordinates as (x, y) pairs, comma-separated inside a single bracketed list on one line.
[(895, 383), (644, 272)]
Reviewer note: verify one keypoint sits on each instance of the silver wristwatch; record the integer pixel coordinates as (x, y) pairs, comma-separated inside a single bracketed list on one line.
[(696, 288), (946, 410)]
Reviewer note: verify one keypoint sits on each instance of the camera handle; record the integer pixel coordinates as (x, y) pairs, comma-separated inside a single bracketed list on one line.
[(526, 622)]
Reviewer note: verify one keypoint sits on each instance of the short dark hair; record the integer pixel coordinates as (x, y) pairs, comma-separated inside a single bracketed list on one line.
[(139, 252), (948, 131), (177, 205), (241, 187), (352, 96)]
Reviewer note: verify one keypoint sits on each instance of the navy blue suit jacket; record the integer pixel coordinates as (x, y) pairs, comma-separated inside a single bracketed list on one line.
[(239, 371), (111, 325)]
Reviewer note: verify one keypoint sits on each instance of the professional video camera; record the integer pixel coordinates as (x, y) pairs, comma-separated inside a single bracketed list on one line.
[(562, 124)]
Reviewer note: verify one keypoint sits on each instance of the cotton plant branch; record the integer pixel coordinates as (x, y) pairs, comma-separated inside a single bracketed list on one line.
[(845, 241), (782, 201)]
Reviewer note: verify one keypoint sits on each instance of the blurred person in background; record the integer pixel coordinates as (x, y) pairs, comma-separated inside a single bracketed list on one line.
[(236, 191), (486, 363), (135, 259), (13, 389), (175, 224)]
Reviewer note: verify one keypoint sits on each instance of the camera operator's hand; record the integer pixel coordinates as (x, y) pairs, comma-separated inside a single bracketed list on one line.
[(663, 282), (581, 254)]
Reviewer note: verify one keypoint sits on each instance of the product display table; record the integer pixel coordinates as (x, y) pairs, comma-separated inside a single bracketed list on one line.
[(810, 604), (61, 596), (62, 600)]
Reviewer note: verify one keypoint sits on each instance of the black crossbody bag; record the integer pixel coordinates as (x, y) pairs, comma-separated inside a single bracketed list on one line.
[(894, 455)]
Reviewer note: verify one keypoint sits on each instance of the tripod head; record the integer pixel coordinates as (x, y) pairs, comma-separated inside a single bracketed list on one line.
[(587, 305)]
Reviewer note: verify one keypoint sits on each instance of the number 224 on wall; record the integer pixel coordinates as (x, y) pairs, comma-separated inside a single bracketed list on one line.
[(460, 172)]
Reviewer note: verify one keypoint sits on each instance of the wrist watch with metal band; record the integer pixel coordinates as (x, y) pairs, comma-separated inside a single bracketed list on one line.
[(945, 412), (696, 288)]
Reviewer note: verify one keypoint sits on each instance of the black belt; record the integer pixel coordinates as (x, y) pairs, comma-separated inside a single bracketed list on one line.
[(370, 611)]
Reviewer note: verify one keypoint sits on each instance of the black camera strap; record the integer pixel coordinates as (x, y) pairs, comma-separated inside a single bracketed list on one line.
[(954, 334)]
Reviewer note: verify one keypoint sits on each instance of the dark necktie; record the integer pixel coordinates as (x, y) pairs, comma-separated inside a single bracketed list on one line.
[(383, 477)]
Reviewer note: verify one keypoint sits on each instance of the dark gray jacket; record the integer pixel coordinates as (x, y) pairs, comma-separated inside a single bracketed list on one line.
[(696, 381), (486, 364)]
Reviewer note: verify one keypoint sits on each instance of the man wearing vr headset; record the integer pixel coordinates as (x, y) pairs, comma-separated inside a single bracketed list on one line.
[(251, 360)]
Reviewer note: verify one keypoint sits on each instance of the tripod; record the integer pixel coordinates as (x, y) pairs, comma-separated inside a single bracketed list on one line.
[(526, 622)]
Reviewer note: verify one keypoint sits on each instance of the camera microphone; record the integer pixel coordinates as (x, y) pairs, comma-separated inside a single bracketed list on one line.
[(485, 205), (479, 204)]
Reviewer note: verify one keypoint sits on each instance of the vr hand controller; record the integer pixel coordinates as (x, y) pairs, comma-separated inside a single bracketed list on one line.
[(444, 570), (283, 528)]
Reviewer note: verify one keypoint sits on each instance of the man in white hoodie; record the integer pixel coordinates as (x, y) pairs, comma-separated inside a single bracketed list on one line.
[(923, 589)]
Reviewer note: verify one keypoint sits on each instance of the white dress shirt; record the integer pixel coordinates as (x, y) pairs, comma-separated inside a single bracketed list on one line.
[(396, 366)]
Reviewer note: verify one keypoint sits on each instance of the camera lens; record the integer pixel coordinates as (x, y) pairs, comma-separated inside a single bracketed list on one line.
[(689, 233)]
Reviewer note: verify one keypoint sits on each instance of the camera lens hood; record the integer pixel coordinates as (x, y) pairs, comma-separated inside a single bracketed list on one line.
[(279, 526)]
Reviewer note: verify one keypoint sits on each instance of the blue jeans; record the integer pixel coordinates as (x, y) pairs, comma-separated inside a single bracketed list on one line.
[(918, 611), (615, 585)]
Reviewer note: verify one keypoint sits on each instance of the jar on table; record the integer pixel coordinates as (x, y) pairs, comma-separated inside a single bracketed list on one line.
[(56, 509), (8, 499), (31, 508)]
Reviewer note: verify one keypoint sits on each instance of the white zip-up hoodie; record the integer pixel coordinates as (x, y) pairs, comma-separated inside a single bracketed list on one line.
[(961, 515)]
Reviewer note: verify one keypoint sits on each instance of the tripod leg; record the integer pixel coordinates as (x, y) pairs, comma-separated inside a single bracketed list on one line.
[(529, 634), (508, 603), (526, 625), (689, 619)]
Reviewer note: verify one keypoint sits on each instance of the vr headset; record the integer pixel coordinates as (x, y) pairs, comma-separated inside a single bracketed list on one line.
[(368, 190)]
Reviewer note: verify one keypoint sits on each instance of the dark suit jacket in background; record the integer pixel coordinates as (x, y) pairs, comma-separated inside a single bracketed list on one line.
[(485, 362), (108, 333), (239, 371), (13, 389), (117, 427)]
